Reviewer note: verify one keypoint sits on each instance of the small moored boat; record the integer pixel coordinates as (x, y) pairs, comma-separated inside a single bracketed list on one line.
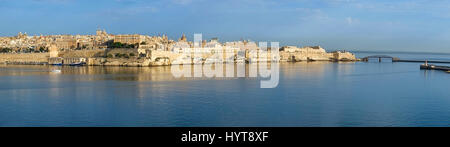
[(77, 64)]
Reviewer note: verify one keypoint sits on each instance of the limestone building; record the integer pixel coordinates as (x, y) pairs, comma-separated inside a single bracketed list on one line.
[(53, 50), (66, 42), (129, 39), (312, 53)]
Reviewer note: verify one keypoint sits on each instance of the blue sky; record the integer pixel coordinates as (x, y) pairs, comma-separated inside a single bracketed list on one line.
[(382, 25)]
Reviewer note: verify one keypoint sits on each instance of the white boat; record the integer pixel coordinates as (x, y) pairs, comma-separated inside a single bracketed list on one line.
[(240, 60), (198, 60), (56, 71), (213, 61)]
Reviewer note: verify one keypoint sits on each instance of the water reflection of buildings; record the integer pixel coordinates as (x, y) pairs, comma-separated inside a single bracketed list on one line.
[(159, 73), (316, 69), (55, 85), (346, 68), (163, 73), (92, 73), (306, 69)]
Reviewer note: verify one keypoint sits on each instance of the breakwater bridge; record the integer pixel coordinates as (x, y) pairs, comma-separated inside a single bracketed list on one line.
[(379, 58), (395, 59), (425, 66)]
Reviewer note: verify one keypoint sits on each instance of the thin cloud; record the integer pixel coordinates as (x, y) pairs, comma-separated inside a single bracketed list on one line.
[(351, 21), (182, 2), (52, 1)]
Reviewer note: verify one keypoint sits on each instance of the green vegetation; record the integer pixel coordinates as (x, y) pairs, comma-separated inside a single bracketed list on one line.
[(121, 45), (43, 49), (109, 56), (5, 50), (119, 55)]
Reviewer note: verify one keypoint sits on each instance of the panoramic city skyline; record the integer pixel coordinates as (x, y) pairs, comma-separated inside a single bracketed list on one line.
[(233, 72), (335, 24)]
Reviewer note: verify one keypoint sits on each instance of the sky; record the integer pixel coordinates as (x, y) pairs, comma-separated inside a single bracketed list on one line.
[(357, 25)]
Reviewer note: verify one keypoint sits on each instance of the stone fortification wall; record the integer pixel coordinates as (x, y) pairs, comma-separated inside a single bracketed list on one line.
[(344, 56), (113, 52), (291, 53), (171, 55), (304, 56), (24, 57), (83, 53)]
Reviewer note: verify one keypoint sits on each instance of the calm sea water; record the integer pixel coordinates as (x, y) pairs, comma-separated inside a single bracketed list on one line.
[(309, 94)]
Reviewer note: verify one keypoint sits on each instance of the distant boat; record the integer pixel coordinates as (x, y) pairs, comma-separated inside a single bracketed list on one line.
[(77, 64), (198, 60), (56, 71), (240, 60), (57, 64)]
